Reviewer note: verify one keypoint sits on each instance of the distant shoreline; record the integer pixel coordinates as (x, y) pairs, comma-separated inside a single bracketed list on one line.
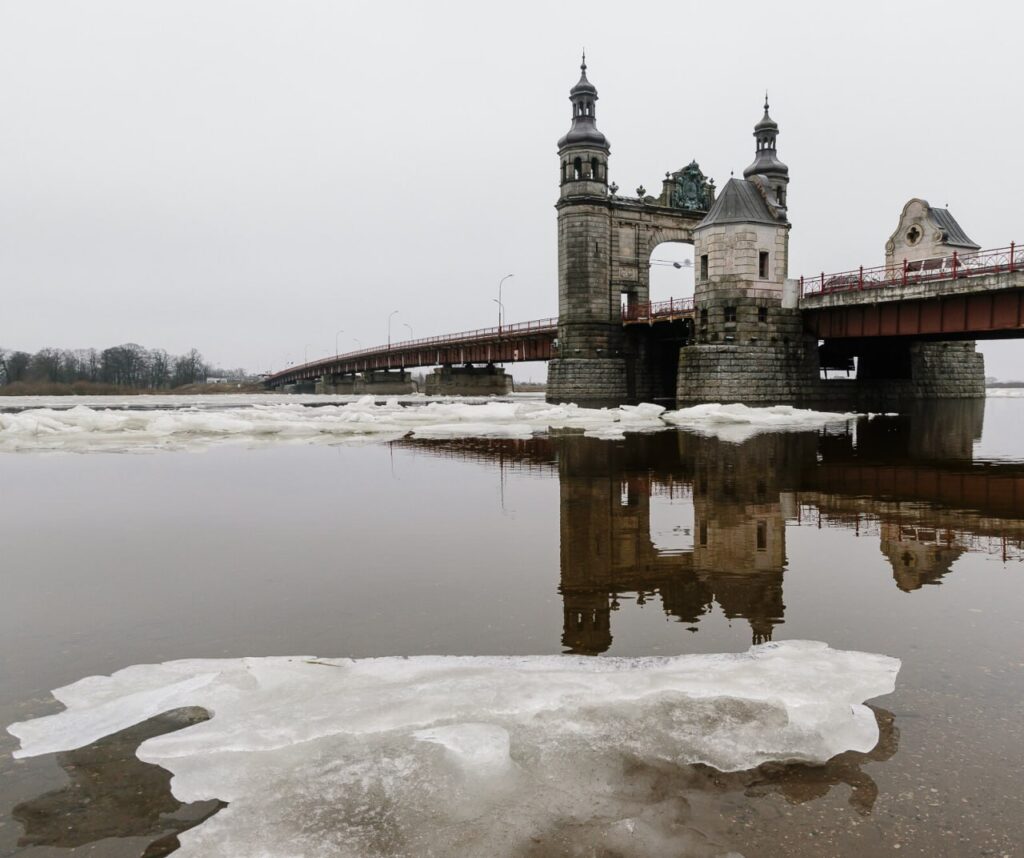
[(88, 388)]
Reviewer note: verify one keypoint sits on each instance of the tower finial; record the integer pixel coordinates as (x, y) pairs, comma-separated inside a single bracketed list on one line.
[(766, 101), (583, 65)]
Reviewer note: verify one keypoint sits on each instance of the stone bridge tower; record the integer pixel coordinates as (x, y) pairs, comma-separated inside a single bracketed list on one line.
[(750, 344), (604, 247)]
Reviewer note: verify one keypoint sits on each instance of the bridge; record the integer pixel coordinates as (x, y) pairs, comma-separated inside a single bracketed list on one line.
[(968, 296), (904, 330)]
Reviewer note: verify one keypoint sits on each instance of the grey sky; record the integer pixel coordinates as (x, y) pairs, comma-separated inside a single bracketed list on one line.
[(250, 177)]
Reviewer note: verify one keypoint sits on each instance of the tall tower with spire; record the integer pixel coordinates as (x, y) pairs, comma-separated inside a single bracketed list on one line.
[(590, 363), (583, 150), (750, 344), (767, 171)]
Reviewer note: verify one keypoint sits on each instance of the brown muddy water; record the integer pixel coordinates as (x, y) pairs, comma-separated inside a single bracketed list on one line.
[(899, 535)]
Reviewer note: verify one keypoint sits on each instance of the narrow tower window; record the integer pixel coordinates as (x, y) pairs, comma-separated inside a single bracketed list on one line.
[(577, 169), (704, 266), (762, 314), (730, 314), (593, 169), (762, 265)]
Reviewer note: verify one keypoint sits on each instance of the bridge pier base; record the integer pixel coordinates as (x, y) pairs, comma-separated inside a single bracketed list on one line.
[(468, 381), (589, 381), (337, 384), (377, 381), (890, 374), (764, 363), (300, 387), (386, 381)]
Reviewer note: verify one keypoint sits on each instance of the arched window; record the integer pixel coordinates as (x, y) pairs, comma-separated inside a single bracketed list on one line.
[(577, 169), (593, 169)]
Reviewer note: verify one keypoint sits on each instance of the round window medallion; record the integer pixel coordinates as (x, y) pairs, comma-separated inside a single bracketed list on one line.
[(913, 235)]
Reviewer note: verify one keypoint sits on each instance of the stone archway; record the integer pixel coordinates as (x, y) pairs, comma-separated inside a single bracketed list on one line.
[(636, 231)]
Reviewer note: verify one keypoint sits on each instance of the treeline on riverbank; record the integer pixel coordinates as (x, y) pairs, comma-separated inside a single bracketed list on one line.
[(123, 369)]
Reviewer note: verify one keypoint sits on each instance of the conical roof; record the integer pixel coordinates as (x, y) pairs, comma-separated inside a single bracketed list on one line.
[(739, 202)]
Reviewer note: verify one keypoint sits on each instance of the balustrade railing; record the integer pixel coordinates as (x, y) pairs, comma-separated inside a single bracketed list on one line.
[(953, 267), (650, 311), (501, 332)]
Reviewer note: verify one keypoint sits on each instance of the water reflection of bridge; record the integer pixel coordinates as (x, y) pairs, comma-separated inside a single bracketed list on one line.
[(910, 481)]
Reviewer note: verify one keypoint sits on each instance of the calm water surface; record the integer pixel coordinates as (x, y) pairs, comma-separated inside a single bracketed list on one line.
[(900, 535)]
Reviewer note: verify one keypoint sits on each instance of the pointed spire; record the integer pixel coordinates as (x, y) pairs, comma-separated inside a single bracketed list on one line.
[(584, 125), (766, 102)]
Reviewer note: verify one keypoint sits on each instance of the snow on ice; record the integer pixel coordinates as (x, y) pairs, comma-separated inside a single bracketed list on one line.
[(446, 755), (83, 428)]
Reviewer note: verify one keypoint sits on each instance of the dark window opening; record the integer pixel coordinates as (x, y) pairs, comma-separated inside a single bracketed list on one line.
[(762, 535), (704, 266), (704, 317), (730, 314), (762, 265), (577, 169), (593, 168), (703, 533), (762, 314)]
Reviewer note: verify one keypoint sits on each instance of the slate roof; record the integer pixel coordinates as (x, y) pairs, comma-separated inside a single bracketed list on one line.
[(952, 232), (740, 201)]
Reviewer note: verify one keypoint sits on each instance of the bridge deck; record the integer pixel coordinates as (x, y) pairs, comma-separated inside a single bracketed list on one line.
[(525, 341)]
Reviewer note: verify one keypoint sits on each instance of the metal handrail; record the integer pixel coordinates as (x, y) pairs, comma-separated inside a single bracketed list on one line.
[(500, 332), (952, 267), (651, 310)]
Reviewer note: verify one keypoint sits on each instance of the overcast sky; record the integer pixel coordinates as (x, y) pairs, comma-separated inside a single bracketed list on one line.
[(249, 178)]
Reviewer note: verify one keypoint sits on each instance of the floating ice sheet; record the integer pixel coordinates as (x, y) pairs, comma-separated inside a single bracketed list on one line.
[(736, 422), (465, 756), (83, 428)]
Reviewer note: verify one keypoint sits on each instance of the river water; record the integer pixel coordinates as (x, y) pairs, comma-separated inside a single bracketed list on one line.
[(901, 535)]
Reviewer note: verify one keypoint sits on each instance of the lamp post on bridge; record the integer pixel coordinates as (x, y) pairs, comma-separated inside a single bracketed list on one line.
[(410, 329), (501, 307), (392, 313)]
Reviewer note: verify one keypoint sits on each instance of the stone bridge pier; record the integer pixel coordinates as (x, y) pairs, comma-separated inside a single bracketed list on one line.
[(381, 382), (468, 380)]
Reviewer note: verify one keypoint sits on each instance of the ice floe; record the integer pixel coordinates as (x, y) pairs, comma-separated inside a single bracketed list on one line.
[(84, 428), (449, 756), (735, 422)]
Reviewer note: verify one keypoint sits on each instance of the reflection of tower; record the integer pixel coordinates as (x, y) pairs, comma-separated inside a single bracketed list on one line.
[(916, 556), (740, 545), (606, 546)]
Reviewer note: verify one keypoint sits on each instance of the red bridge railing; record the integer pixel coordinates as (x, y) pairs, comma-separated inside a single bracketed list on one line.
[(953, 267), (495, 334), (649, 311)]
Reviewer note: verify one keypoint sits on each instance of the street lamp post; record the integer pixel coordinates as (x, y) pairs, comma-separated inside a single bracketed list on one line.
[(501, 307), (410, 329), (392, 313)]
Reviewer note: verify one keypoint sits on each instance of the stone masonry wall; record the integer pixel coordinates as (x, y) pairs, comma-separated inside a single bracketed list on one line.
[(597, 381)]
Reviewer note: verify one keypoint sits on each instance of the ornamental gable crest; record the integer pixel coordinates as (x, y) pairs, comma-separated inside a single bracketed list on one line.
[(690, 189)]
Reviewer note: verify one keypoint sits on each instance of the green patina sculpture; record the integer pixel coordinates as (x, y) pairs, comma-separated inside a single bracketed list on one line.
[(692, 190)]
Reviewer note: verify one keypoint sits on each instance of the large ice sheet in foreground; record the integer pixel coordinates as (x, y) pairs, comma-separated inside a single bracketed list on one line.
[(82, 428), (464, 755)]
